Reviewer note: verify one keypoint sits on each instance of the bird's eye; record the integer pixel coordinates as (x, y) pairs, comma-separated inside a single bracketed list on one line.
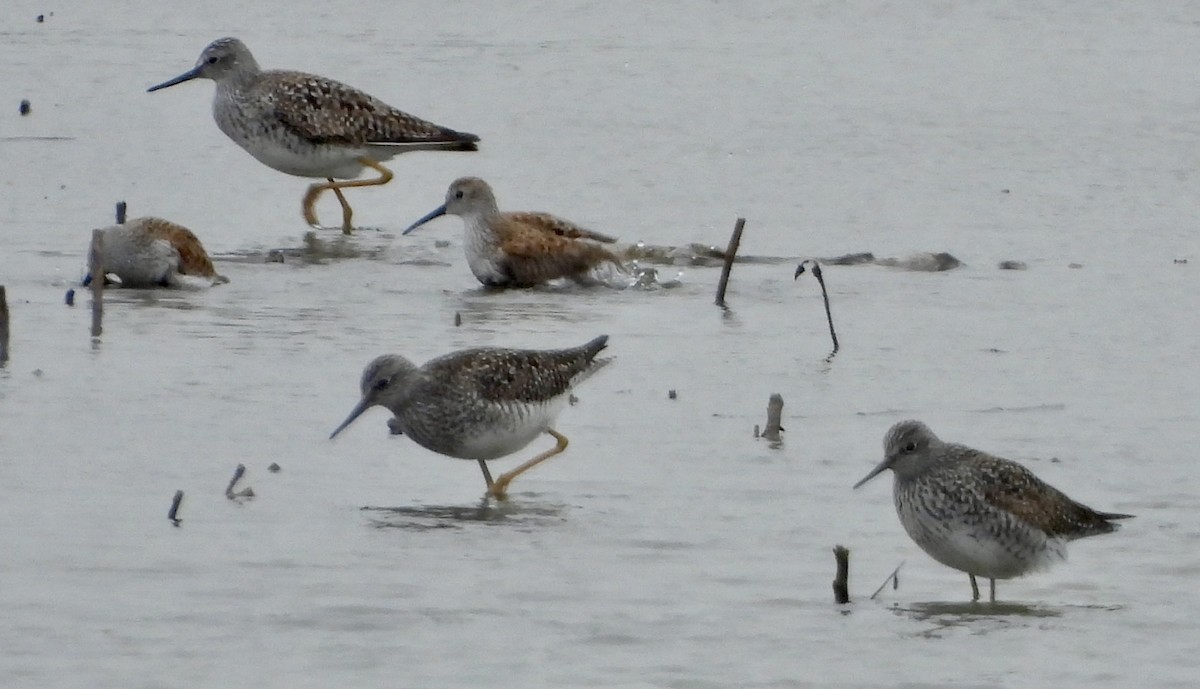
[(458, 194), (381, 383), (910, 447), (213, 60)]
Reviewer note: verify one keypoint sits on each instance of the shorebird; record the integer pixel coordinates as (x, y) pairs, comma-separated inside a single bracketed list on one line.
[(152, 252), (311, 126), (978, 513), (479, 404), (519, 249)]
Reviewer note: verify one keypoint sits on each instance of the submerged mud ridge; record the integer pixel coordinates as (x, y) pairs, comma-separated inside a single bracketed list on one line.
[(697, 254)]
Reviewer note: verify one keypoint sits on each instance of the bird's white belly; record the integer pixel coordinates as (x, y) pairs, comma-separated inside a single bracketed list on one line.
[(968, 549), (504, 439), (316, 162)]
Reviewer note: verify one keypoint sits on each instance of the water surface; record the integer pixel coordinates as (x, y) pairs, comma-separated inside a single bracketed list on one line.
[(667, 547)]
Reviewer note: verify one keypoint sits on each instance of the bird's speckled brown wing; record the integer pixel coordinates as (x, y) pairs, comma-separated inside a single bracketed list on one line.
[(193, 259), (328, 111), (1011, 487), (522, 375), (559, 226), (533, 256)]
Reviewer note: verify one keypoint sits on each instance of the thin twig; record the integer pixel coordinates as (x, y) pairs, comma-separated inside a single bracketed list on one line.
[(841, 582), (730, 253), (816, 271), (893, 577)]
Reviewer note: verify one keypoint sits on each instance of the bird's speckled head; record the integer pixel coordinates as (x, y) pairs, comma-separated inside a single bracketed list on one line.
[(222, 59), (907, 449), (384, 383), (466, 196)]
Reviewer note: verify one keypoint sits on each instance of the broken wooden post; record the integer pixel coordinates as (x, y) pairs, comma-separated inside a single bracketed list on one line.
[(730, 253), (96, 270), (774, 418), (841, 584), (120, 212)]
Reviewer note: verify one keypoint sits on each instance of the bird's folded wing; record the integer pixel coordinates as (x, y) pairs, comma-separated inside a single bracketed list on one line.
[(1016, 490), (328, 111), (552, 224)]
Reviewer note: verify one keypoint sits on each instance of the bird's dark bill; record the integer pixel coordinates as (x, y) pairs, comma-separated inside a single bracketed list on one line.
[(186, 76), (435, 213), (879, 468), (358, 410)]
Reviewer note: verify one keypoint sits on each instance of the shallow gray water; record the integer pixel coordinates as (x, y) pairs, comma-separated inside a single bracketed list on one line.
[(667, 547)]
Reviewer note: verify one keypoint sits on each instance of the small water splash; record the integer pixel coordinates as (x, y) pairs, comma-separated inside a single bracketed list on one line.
[(648, 278)]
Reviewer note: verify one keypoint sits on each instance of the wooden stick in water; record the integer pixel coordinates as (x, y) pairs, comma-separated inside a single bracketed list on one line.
[(173, 513), (841, 581), (120, 212), (96, 269), (3, 326), (237, 476), (246, 492), (774, 418), (730, 253), (816, 271)]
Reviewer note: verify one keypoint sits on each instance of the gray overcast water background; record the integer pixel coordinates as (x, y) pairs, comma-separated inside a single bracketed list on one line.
[(667, 547)]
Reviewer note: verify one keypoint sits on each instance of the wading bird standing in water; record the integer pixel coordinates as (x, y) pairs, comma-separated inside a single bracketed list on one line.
[(479, 404), (978, 513), (311, 126), (520, 249)]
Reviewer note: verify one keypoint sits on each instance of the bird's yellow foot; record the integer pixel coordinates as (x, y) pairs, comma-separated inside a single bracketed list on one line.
[(499, 489)]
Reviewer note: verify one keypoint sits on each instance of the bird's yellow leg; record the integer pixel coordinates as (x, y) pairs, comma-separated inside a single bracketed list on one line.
[(499, 489), (346, 211), (314, 191)]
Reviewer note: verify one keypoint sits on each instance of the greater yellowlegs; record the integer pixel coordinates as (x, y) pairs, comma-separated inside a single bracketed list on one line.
[(978, 513), (479, 404), (152, 252), (311, 126), (519, 249)]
